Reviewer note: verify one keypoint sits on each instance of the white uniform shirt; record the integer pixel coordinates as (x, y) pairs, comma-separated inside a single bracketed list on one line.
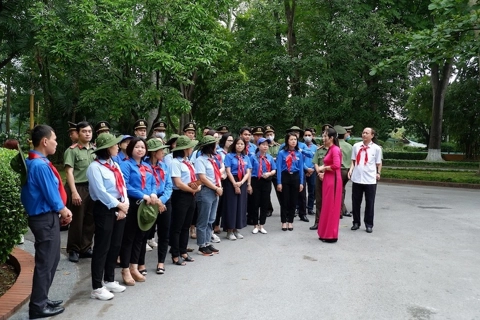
[(366, 173)]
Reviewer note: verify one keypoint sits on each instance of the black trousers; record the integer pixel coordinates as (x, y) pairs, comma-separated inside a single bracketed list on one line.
[(344, 173), (370, 191), (261, 199), (162, 225), (132, 237), (46, 229), (290, 189), (279, 194), (108, 240), (183, 207)]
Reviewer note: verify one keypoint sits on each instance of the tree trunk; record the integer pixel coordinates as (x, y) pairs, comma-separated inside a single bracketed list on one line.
[(9, 92), (290, 6), (439, 80)]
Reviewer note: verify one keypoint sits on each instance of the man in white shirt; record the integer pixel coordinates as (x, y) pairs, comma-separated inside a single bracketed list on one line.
[(364, 172)]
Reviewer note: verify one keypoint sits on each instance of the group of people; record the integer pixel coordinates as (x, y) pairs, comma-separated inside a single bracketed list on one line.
[(120, 191)]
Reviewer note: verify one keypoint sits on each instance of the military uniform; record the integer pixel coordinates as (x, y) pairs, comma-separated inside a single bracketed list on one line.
[(222, 130), (273, 150), (346, 163), (159, 129), (82, 227), (139, 126)]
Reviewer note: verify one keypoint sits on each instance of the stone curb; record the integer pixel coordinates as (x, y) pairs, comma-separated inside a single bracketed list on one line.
[(19, 293)]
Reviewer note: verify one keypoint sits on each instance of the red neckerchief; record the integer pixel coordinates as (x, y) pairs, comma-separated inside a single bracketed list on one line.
[(218, 176), (119, 182), (289, 160), (159, 175), (241, 167), (362, 148), (143, 172), (260, 167), (61, 189), (192, 171)]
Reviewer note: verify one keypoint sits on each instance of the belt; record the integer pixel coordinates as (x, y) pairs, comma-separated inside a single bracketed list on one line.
[(81, 183)]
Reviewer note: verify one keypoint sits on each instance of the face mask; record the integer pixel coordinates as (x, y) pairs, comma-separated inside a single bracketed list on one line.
[(271, 137), (347, 138), (307, 139), (160, 135)]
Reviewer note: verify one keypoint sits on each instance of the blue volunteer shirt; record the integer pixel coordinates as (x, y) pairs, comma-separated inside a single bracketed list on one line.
[(133, 179), (164, 189), (40, 193), (302, 146), (297, 165), (231, 162), (307, 162), (256, 164)]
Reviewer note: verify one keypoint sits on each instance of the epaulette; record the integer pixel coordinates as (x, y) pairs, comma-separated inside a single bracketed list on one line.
[(73, 146)]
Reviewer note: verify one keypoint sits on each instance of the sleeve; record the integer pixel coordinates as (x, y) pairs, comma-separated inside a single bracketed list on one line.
[(167, 191), (306, 151), (200, 167), (176, 169), (337, 159), (302, 173), (378, 156), (125, 193), (69, 158), (273, 163), (279, 167), (249, 162), (97, 187), (50, 191), (228, 161), (354, 152)]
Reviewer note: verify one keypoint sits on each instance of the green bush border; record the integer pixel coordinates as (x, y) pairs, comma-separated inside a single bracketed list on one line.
[(13, 221), (431, 164), (431, 175)]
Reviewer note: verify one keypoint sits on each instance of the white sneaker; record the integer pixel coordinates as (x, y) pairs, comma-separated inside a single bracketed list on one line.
[(114, 286), (101, 294), (255, 230), (215, 238), (231, 236), (148, 248), (152, 243), (262, 230), (238, 235)]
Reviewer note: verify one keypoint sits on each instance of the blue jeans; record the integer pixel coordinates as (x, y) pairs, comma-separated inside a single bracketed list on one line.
[(207, 202)]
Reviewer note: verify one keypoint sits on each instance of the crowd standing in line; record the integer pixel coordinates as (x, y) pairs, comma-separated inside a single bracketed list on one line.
[(123, 197)]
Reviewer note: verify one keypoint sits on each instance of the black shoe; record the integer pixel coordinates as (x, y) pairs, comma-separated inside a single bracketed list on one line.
[(87, 254), (310, 212), (45, 312), (73, 256), (204, 251), (369, 229), (314, 227), (341, 216), (355, 226), (54, 303), (304, 218), (213, 249), (347, 214), (64, 228), (269, 213)]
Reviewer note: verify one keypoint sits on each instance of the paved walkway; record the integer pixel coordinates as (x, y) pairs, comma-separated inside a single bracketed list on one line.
[(422, 261)]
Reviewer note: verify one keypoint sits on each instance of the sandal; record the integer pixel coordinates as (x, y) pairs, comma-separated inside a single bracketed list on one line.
[(143, 272), (188, 258), (160, 270), (179, 261)]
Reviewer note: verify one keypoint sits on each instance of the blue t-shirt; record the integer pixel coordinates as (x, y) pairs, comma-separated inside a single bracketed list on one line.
[(256, 164), (231, 162)]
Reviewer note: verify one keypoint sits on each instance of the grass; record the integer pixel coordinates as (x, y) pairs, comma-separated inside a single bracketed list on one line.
[(469, 165), (431, 175)]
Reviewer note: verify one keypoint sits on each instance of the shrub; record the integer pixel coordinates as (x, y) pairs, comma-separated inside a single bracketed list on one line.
[(469, 165), (448, 147), (404, 155), (13, 221)]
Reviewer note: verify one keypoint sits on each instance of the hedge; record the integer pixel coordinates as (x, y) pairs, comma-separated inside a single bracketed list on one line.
[(404, 155), (431, 164), (13, 221)]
